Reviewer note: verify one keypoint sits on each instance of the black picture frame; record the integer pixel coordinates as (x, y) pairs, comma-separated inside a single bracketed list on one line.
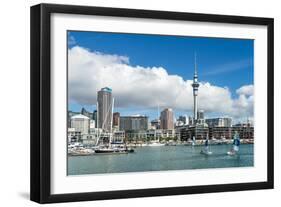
[(41, 102)]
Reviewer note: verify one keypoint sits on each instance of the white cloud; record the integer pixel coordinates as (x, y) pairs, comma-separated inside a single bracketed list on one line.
[(246, 90), (146, 87)]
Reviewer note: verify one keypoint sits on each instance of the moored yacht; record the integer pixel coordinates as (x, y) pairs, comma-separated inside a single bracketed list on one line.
[(155, 144)]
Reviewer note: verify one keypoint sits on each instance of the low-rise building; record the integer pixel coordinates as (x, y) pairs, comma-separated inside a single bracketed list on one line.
[(80, 123)]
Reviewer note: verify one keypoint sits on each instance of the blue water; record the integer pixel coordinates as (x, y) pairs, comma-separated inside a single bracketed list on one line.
[(161, 158)]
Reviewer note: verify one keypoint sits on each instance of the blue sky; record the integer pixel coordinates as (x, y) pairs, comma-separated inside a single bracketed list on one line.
[(222, 62)]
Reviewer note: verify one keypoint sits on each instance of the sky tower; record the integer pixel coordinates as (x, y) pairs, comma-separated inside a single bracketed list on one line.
[(195, 86)]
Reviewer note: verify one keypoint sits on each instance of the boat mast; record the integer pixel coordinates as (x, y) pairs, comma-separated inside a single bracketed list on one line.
[(158, 120), (98, 138), (111, 122)]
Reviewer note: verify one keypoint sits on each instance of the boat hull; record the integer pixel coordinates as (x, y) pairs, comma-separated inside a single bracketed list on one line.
[(206, 152)]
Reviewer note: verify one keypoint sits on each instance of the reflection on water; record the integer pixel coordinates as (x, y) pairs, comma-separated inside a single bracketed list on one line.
[(161, 158)]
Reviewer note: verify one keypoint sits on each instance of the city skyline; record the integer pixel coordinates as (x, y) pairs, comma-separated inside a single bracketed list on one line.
[(187, 119), (236, 100)]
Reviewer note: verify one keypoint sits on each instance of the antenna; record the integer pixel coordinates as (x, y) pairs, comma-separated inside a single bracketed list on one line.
[(195, 64)]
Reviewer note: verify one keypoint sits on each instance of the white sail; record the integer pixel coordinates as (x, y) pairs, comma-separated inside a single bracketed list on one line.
[(235, 145), (193, 140), (206, 149)]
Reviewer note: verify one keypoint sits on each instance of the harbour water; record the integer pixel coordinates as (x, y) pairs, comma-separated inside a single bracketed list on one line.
[(160, 159)]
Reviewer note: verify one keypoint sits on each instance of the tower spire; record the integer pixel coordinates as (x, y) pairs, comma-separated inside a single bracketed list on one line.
[(195, 65)]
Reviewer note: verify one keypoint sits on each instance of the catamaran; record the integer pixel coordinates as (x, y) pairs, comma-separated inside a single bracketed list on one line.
[(206, 150), (235, 145)]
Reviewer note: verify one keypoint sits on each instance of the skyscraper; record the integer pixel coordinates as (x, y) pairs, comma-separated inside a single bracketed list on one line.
[(167, 119), (116, 120), (195, 86), (95, 117), (105, 109)]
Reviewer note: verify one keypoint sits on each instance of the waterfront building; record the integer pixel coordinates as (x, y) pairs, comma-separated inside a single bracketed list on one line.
[(219, 122), (80, 123), (92, 137), (178, 130), (73, 135), (105, 102), (151, 134), (168, 133), (69, 115), (154, 134), (220, 132), (95, 131), (136, 135), (89, 139), (199, 132), (137, 122), (118, 136), (245, 131), (167, 119)]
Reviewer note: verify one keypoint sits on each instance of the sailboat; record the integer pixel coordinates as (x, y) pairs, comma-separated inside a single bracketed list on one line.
[(235, 145), (206, 150), (193, 141)]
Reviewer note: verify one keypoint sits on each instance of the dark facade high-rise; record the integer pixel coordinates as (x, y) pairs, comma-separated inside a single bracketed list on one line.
[(133, 123), (95, 117), (116, 120)]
